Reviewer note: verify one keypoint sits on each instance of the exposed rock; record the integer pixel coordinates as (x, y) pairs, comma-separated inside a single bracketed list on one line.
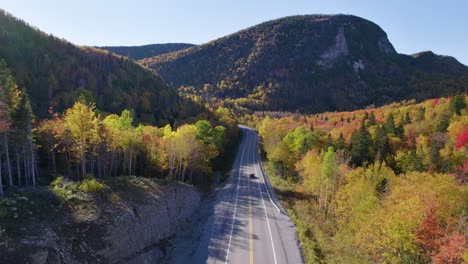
[(339, 49), (358, 65), (127, 227)]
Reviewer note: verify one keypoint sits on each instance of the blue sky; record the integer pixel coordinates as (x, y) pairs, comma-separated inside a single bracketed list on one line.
[(411, 25)]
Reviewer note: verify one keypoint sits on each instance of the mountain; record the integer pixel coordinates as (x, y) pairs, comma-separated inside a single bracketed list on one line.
[(309, 63), (146, 51), (55, 73)]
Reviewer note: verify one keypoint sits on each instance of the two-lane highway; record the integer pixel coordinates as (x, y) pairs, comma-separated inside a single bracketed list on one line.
[(247, 225)]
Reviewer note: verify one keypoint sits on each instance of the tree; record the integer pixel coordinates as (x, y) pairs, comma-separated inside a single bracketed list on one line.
[(390, 126), (381, 144), (361, 143), (442, 122), (429, 233), (457, 104), (421, 114), (341, 142), (329, 172), (372, 119), (82, 123), (453, 251), (329, 142)]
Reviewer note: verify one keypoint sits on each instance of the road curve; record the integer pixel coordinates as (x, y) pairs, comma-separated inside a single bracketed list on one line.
[(247, 225)]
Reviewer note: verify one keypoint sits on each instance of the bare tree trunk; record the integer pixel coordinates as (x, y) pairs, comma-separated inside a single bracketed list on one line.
[(83, 161), (130, 161), (124, 161), (33, 163), (18, 165), (183, 173), (1, 180), (112, 161), (326, 198), (26, 167), (7, 153)]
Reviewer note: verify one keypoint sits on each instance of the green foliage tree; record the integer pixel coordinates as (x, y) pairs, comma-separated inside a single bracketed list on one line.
[(82, 123)]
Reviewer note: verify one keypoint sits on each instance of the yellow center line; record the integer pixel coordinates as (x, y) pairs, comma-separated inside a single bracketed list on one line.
[(251, 225)]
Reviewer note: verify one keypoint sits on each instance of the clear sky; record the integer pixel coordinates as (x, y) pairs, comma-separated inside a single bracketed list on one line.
[(411, 25)]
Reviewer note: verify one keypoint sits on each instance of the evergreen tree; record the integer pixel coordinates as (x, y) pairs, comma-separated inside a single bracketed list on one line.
[(457, 104), (366, 116), (390, 127), (372, 118), (381, 144), (421, 114), (442, 122), (329, 142), (341, 143), (407, 118), (361, 143)]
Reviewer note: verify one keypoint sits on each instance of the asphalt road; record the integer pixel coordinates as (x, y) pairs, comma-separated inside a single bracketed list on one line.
[(248, 223)]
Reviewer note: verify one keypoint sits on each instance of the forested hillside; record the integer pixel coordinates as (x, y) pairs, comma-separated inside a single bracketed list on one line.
[(83, 143), (310, 63), (385, 185), (55, 73), (146, 51)]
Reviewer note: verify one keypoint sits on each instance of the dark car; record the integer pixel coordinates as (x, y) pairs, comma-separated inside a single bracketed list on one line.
[(252, 176)]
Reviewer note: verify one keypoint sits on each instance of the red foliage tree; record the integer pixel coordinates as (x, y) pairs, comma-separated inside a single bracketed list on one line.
[(452, 250), (429, 233), (461, 140)]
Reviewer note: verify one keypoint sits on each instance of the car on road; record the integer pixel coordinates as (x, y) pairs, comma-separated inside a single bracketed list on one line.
[(252, 176)]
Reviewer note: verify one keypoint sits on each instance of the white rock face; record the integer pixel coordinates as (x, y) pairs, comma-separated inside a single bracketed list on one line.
[(339, 49), (358, 65)]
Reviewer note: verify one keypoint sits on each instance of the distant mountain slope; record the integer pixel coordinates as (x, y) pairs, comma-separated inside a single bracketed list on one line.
[(309, 63), (146, 51), (55, 72)]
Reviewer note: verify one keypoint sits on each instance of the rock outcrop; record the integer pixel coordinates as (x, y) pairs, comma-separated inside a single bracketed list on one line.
[(130, 225)]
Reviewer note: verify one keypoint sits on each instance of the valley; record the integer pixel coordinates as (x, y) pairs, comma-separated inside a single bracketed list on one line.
[(302, 139)]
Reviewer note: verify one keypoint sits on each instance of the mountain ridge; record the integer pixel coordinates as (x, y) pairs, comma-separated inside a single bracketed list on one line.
[(56, 72), (308, 63), (146, 51)]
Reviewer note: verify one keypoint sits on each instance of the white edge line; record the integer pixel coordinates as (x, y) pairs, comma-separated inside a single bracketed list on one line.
[(266, 188), (266, 214), (237, 196)]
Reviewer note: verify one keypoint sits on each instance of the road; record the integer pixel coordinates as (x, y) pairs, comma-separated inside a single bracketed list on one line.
[(248, 223)]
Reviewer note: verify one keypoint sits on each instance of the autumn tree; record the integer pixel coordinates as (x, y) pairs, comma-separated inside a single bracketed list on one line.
[(82, 123)]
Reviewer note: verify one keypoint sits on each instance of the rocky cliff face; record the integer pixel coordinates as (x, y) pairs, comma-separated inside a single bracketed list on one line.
[(129, 224)]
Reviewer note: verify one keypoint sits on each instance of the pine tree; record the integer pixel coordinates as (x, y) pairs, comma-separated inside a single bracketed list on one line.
[(421, 114), (372, 119), (341, 143), (390, 127), (361, 143), (329, 142), (381, 144), (457, 104)]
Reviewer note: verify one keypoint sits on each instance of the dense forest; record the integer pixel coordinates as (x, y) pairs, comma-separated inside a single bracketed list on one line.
[(83, 143), (385, 185), (146, 51), (55, 73), (312, 63)]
